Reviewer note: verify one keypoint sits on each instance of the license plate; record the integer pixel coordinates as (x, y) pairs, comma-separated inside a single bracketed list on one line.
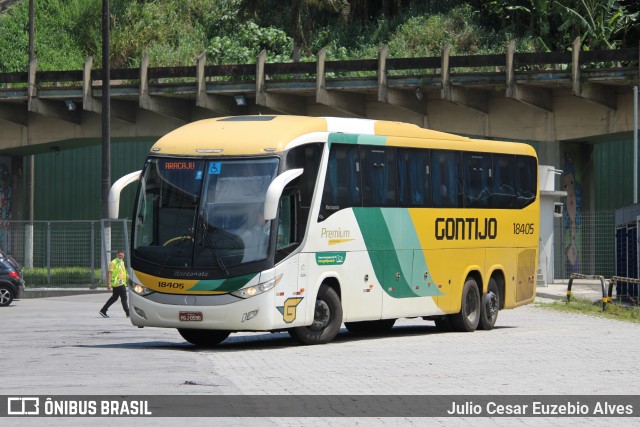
[(190, 316)]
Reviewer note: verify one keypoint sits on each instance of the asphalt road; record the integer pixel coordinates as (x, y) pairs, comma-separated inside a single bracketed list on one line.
[(61, 346)]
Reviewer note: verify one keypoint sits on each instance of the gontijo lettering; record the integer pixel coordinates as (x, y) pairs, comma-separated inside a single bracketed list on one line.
[(466, 228)]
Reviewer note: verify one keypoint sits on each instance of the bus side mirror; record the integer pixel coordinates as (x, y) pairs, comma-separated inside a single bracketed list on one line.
[(275, 191), (116, 189)]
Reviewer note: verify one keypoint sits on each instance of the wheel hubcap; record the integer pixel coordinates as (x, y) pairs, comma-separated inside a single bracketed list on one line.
[(321, 316), (491, 304), (4, 296), (471, 306)]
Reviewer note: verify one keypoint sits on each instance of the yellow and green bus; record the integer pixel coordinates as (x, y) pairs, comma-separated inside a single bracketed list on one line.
[(268, 223)]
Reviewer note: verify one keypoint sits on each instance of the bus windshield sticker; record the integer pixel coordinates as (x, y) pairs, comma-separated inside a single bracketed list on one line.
[(198, 175), (214, 168)]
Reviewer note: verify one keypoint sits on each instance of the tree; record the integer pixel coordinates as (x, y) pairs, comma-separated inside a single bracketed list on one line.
[(554, 24), (597, 22), (296, 17)]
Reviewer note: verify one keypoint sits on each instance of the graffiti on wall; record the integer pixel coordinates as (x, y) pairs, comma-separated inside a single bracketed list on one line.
[(572, 224), (10, 197), (6, 194)]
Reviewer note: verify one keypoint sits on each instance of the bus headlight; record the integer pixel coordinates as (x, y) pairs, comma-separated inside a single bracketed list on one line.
[(141, 290), (260, 288)]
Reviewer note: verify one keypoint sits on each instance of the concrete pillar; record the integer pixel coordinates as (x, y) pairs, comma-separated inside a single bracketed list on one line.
[(548, 196)]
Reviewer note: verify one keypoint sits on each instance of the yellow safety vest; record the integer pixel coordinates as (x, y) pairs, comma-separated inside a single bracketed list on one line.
[(118, 273)]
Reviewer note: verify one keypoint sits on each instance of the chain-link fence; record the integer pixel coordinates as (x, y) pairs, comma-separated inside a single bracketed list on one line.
[(585, 243), (64, 253), (74, 253)]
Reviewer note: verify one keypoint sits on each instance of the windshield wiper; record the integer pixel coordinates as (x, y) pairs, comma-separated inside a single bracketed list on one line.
[(209, 242)]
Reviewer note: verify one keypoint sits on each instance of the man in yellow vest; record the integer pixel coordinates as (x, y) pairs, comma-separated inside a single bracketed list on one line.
[(117, 281)]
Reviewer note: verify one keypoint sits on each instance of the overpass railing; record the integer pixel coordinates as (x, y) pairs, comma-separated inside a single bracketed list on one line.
[(433, 71)]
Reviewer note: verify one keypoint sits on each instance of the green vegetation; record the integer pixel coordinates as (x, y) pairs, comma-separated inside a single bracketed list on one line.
[(176, 32), (585, 306), (62, 276)]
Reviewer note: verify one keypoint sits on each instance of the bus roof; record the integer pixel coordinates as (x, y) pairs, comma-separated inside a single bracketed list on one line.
[(254, 135)]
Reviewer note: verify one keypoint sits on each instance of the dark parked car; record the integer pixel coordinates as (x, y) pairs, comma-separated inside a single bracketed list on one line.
[(11, 280)]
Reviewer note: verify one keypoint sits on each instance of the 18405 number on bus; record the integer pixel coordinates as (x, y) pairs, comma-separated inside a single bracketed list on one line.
[(523, 228)]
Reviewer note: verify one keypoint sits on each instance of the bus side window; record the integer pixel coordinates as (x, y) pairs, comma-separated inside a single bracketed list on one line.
[(445, 181), (414, 178), (527, 178), (504, 181), (477, 188), (286, 231), (287, 238), (379, 176), (308, 158), (342, 185)]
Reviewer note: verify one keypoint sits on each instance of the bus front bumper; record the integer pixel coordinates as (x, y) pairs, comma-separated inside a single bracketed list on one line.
[(251, 314)]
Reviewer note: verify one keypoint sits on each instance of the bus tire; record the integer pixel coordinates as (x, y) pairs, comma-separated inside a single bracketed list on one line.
[(490, 306), (327, 319), (370, 326), (204, 337), (469, 317)]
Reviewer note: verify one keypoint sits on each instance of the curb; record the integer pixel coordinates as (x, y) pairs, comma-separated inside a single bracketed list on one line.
[(59, 292), (549, 296)]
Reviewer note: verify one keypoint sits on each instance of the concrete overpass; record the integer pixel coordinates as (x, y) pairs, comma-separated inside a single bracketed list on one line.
[(558, 100), (546, 97)]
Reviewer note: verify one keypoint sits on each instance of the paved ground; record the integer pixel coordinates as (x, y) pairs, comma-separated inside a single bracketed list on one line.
[(62, 346)]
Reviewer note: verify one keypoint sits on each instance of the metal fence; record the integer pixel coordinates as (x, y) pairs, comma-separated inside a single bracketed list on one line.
[(75, 253), (64, 253), (585, 243)]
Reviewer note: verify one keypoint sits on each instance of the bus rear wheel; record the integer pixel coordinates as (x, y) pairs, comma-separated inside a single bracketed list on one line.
[(469, 317), (327, 319), (204, 337), (490, 307), (370, 326)]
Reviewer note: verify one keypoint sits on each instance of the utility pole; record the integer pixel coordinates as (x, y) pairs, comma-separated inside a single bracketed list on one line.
[(31, 29), (106, 135), (635, 144), (31, 164)]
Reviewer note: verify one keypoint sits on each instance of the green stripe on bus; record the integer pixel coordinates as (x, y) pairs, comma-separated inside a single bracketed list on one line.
[(372, 140), (342, 138), (394, 251), (223, 285), (349, 138)]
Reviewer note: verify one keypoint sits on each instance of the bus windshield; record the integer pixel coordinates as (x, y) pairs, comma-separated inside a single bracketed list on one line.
[(205, 214)]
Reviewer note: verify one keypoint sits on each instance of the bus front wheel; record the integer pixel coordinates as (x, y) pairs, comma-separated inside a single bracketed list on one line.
[(203, 337), (327, 319), (490, 306), (469, 317)]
